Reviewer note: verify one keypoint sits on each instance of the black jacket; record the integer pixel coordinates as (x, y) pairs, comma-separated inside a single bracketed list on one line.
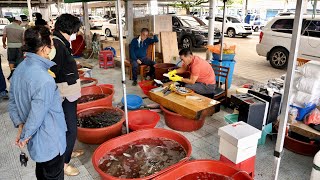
[(66, 68)]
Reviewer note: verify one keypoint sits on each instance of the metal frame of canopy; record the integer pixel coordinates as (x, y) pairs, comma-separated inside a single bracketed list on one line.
[(295, 41)]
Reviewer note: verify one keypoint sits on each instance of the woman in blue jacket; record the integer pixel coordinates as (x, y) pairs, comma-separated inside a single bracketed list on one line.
[(35, 106)]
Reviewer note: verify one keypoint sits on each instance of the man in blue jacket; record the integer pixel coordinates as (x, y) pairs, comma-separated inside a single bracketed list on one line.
[(138, 53)]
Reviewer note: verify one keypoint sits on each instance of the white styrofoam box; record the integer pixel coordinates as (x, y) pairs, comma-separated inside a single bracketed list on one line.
[(240, 134), (235, 154)]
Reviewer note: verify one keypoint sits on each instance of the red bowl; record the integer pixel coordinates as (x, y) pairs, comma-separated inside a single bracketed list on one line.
[(134, 136), (146, 86), (142, 119), (198, 166), (99, 135), (107, 101), (180, 123), (94, 83), (107, 85)]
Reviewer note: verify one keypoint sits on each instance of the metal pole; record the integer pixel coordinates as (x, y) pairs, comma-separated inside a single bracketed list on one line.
[(212, 9), (86, 25), (222, 36), (30, 10), (295, 42), (122, 55)]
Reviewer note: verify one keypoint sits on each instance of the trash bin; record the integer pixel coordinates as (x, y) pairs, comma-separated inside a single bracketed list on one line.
[(230, 65)]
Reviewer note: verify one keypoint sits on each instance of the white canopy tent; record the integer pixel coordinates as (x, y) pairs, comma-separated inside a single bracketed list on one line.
[(288, 82)]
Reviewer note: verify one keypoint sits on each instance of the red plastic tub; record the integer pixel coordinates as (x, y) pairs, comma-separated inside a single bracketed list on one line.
[(146, 86), (180, 123), (99, 135), (107, 101), (81, 73), (134, 136), (205, 166), (94, 83), (142, 119), (107, 85), (299, 147)]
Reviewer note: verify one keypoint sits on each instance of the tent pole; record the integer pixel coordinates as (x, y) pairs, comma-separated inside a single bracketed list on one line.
[(122, 63), (222, 35), (30, 10), (212, 10), (294, 48)]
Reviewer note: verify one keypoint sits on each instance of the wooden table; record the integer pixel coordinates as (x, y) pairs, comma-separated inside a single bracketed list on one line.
[(185, 106)]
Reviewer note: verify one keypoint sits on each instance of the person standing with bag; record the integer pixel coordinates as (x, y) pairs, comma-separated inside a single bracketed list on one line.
[(68, 81)]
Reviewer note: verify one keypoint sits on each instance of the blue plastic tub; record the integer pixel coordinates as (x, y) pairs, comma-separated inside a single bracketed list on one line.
[(303, 111), (225, 57), (229, 64), (133, 101)]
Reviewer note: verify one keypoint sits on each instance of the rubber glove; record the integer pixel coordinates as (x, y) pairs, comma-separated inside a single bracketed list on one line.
[(172, 73), (175, 78)]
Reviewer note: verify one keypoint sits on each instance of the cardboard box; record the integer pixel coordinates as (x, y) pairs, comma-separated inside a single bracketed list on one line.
[(240, 134), (162, 23), (235, 154)]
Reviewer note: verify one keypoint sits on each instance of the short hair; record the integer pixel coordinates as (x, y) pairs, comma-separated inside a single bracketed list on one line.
[(38, 16), (35, 38), (67, 23), (144, 30), (185, 52)]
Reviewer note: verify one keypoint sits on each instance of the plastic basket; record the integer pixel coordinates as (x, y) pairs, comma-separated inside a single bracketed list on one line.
[(231, 118), (225, 57)]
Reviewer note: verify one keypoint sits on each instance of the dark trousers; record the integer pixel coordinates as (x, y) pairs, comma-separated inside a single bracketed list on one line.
[(3, 85), (202, 88), (70, 113), (51, 170), (145, 61)]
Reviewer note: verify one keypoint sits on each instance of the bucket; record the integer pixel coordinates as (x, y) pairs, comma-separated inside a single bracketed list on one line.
[(146, 86), (204, 166), (107, 85), (142, 119), (99, 135), (94, 83), (107, 101), (135, 136), (162, 68), (133, 101), (180, 123)]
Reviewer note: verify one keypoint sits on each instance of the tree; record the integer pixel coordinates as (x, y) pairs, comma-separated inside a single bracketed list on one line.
[(25, 11), (189, 3)]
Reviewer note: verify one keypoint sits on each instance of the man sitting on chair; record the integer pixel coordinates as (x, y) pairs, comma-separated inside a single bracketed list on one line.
[(202, 79), (138, 53)]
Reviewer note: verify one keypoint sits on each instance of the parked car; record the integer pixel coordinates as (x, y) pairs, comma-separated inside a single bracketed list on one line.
[(275, 40), (233, 26), (3, 23), (110, 27), (24, 17), (96, 21), (192, 31)]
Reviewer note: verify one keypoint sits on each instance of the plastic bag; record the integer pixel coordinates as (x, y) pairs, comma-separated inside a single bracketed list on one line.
[(226, 49), (313, 117), (293, 113), (304, 99), (310, 69), (308, 85)]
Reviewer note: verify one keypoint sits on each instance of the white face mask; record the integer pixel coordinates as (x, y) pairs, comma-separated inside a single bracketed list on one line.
[(52, 53), (73, 37)]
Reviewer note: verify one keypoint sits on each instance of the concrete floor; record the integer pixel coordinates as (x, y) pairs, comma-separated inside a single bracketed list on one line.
[(204, 142)]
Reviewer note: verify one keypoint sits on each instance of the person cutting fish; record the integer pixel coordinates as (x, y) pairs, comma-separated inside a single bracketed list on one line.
[(202, 79)]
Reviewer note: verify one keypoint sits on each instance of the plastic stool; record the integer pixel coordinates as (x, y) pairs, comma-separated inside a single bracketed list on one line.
[(246, 165), (106, 59)]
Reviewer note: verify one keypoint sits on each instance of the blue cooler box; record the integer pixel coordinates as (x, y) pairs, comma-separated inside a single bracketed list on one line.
[(230, 65)]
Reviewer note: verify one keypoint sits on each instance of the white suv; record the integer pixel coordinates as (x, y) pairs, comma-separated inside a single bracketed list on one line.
[(275, 40), (233, 26)]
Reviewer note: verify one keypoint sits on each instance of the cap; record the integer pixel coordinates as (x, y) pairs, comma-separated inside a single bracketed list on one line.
[(17, 18)]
